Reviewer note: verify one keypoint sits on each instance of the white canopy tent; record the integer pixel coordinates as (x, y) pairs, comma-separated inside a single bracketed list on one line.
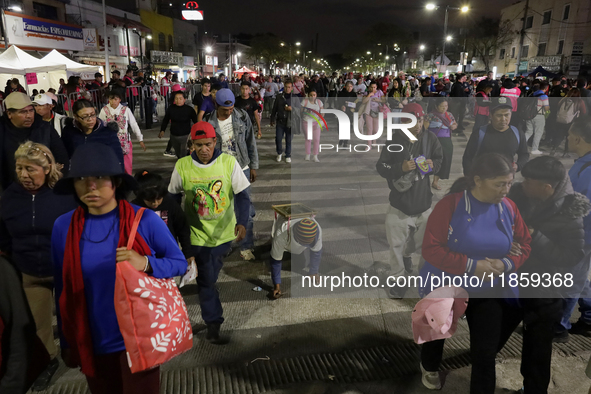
[(17, 63), (71, 66)]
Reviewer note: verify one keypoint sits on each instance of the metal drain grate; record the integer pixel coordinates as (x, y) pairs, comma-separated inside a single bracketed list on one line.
[(356, 365)]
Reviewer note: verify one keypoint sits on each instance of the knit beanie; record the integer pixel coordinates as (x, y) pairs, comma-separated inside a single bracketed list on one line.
[(305, 231)]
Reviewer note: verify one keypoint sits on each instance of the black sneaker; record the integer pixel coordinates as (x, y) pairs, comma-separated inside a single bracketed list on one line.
[(213, 335), (581, 328), (561, 337), (43, 380), (407, 264)]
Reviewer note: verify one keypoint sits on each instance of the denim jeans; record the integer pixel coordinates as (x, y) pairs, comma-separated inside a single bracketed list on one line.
[(580, 292), (248, 242), (209, 264), (280, 131)]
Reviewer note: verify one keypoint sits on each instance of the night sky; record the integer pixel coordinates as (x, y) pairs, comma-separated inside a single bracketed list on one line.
[(337, 22)]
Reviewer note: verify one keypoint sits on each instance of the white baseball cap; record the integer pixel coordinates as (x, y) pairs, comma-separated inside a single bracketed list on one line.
[(42, 99)]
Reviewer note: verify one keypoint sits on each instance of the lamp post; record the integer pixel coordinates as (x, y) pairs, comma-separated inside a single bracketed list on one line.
[(432, 7), (208, 50), (141, 48)]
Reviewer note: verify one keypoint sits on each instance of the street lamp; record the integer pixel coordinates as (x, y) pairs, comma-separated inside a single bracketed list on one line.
[(448, 38), (298, 44), (432, 7), (208, 49), (422, 47)]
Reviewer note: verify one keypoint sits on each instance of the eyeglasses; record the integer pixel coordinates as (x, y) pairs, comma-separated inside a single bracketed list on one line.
[(87, 117)]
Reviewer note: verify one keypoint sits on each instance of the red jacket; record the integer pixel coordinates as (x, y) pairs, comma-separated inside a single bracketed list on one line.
[(438, 254)]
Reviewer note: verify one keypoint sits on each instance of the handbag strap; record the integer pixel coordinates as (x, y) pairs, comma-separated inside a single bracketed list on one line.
[(136, 222)]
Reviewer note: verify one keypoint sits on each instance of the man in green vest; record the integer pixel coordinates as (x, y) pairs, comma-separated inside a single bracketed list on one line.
[(212, 182)]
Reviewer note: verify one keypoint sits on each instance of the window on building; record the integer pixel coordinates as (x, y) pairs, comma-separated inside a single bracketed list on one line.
[(45, 11), (170, 42), (525, 51), (161, 42), (541, 49), (529, 22), (560, 47), (502, 54), (547, 17), (149, 46), (566, 12), (513, 53)]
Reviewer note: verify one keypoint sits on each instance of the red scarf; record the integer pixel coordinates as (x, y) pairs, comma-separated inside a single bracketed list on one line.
[(74, 313)]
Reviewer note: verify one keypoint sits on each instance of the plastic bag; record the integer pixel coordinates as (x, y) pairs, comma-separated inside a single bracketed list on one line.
[(190, 275)]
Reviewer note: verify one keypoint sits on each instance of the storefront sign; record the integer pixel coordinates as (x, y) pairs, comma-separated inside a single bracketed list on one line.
[(166, 57), (523, 65), (211, 60), (90, 39), (578, 47), (123, 50), (188, 61), (31, 78), (26, 31), (191, 13), (550, 63)]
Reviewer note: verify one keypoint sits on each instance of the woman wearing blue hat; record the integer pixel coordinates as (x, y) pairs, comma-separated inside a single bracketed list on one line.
[(87, 243)]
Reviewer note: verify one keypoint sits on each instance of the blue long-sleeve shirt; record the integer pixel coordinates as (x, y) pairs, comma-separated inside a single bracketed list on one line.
[(98, 246), (581, 181)]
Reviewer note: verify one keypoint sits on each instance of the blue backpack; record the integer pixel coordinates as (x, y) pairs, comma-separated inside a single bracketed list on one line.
[(482, 132)]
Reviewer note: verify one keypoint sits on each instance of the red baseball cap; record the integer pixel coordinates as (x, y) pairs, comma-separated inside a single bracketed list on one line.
[(415, 109), (206, 127)]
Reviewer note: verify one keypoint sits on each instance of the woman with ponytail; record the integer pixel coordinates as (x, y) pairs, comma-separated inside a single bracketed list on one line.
[(477, 231)]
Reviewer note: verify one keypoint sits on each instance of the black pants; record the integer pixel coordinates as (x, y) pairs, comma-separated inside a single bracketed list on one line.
[(458, 110), (492, 321), (540, 318)]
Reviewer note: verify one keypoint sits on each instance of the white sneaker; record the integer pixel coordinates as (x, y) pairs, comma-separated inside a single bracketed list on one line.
[(431, 380), (307, 158), (288, 159), (536, 152), (247, 255), (316, 159), (279, 158)]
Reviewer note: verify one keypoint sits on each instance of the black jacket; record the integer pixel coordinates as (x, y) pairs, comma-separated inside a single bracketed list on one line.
[(180, 119), (103, 133), (176, 220), (558, 239), (318, 87), (41, 132), (26, 222), (22, 355), (342, 96), (503, 143), (419, 197), (457, 90), (283, 117)]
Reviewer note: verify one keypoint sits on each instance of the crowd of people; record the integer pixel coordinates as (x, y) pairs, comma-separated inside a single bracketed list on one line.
[(65, 218)]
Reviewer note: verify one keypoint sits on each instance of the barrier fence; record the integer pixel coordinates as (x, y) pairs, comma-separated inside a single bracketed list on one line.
[(140, 99)]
